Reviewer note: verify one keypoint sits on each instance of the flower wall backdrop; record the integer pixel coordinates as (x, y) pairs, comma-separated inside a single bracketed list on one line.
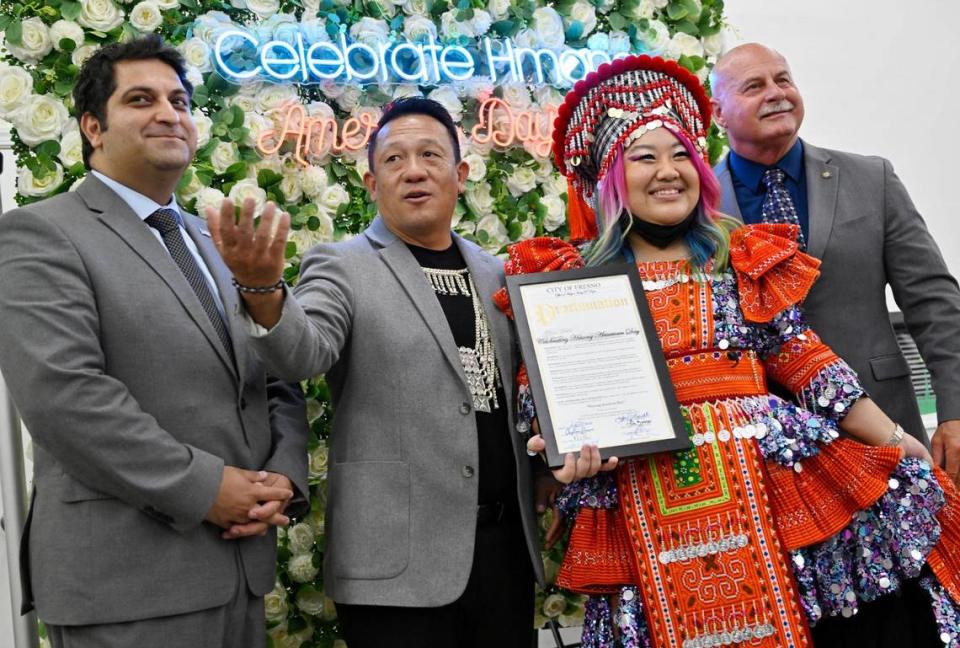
[(513, 191)]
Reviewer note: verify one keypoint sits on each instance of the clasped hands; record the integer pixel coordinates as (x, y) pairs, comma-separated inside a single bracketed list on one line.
[(249, 502)]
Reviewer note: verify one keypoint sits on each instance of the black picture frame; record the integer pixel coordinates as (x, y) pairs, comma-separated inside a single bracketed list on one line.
[(678, 438)]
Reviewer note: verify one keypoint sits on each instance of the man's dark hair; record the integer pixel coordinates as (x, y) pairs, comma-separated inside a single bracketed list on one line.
[(96, 81), (415, 106)]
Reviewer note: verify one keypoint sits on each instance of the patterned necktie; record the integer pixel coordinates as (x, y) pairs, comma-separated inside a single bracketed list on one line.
[(165, 222), (778, 206)]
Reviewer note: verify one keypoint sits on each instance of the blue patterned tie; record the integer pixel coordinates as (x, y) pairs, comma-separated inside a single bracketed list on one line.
[(165, 221), (778, 206)]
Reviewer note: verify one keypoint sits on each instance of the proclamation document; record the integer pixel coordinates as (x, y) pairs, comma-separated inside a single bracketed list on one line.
[(595, 363)]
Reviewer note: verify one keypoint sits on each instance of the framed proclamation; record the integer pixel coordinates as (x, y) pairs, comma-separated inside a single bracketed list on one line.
[(596, 367)]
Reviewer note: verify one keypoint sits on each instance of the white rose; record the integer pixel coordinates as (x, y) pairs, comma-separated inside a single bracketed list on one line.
[(586, 14), (66, 30), (306, 238), (333, 196), (419, 27), (573, 615), (554, 605), (349, 99), (210, 25), (310, 8), (276, 95), (713, 44), (478, 168), (517, 96), (656, 37), (527, 229), (660, 4), (479, 199), (275, 603), (283, 638), (544, 171), (248, 188), (318, 460), (146, 16), (605, 6), (452, 28), (42, 118), (223, 155), (16, 88), (29, 185), (522, 180), (547, 95), (290, 188), (332, 89), (310, 601), (447, 97), (556, 212), (370, 31), (496, 232), (555, 186), (269, 163), (166, 5), (263, 8), (71, 148), (479, 88), (480, 23), (619, 42), (548, 26), (369, 113), (193, 187), (245, 102), (100, 15), (76, 183), (499, 9), (82, 54), (643, 9), (301, 568), (194, 76), (196, 53), (208, 197), (300, 536), (405, 90), (313, 180), (35, 42), (686, 44), (416, 7), (526, 38)]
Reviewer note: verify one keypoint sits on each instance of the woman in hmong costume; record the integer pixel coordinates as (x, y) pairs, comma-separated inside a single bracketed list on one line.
[(774, 529)]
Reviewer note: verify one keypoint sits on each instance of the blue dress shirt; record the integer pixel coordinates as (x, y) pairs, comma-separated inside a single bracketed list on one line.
[(748, 186)]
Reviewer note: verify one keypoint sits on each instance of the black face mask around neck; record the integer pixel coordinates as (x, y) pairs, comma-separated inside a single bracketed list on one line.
[(662, 235)]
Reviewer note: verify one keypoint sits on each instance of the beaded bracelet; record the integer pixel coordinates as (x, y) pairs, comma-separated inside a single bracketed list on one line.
[(257, 290), (896, 437)]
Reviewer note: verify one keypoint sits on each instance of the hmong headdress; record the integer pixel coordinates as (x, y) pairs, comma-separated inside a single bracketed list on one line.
[(615, 105)]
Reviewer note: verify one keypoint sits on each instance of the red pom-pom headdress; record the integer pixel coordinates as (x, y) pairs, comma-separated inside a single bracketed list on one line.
[(613, 106)]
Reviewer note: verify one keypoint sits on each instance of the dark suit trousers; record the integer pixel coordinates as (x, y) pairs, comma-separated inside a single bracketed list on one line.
[(495, 610), (238, 624)]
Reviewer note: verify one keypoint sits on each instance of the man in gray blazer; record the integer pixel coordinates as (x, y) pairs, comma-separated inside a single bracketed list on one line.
[(856, 216), (430, 524), (162, 454)]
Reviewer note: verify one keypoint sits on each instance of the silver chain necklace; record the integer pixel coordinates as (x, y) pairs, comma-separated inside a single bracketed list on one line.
[(479, 363)]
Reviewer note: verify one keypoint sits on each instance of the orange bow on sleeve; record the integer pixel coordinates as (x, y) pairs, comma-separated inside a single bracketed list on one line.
[(541, 254), (772, 272)]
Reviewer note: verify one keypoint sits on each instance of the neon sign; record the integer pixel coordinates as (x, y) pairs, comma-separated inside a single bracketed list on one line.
[(240, 55), (499, 124)]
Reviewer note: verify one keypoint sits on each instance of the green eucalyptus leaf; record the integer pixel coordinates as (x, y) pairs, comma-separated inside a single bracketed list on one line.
[(70, 10), (677, 10), (14, 33)]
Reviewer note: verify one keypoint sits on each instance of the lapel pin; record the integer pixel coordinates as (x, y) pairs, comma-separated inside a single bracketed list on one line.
[(825, 174)]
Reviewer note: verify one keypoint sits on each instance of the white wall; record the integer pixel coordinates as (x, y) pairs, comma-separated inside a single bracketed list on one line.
[(877, 77)]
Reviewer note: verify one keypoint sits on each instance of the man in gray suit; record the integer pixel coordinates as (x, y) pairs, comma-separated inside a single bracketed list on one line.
[(856, 216), (162, 454), (430, 524)]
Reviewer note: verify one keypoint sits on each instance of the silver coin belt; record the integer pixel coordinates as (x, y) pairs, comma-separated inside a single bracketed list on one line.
[(704, 549), (727, 637)]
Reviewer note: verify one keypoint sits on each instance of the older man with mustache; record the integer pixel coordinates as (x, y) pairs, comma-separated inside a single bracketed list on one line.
[(856, 216)]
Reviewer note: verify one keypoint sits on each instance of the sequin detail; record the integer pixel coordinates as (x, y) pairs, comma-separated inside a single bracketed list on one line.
[(945, 612), (882, 546)]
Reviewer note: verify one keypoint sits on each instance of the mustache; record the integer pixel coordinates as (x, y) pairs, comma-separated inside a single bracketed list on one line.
[(783, 105)]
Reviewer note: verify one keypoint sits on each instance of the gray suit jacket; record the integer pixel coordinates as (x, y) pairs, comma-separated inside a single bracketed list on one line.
[(867, 233), (401, 509), (134, 407)]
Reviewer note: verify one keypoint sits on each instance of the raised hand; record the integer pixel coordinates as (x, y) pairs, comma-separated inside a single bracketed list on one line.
[(254, 254)]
